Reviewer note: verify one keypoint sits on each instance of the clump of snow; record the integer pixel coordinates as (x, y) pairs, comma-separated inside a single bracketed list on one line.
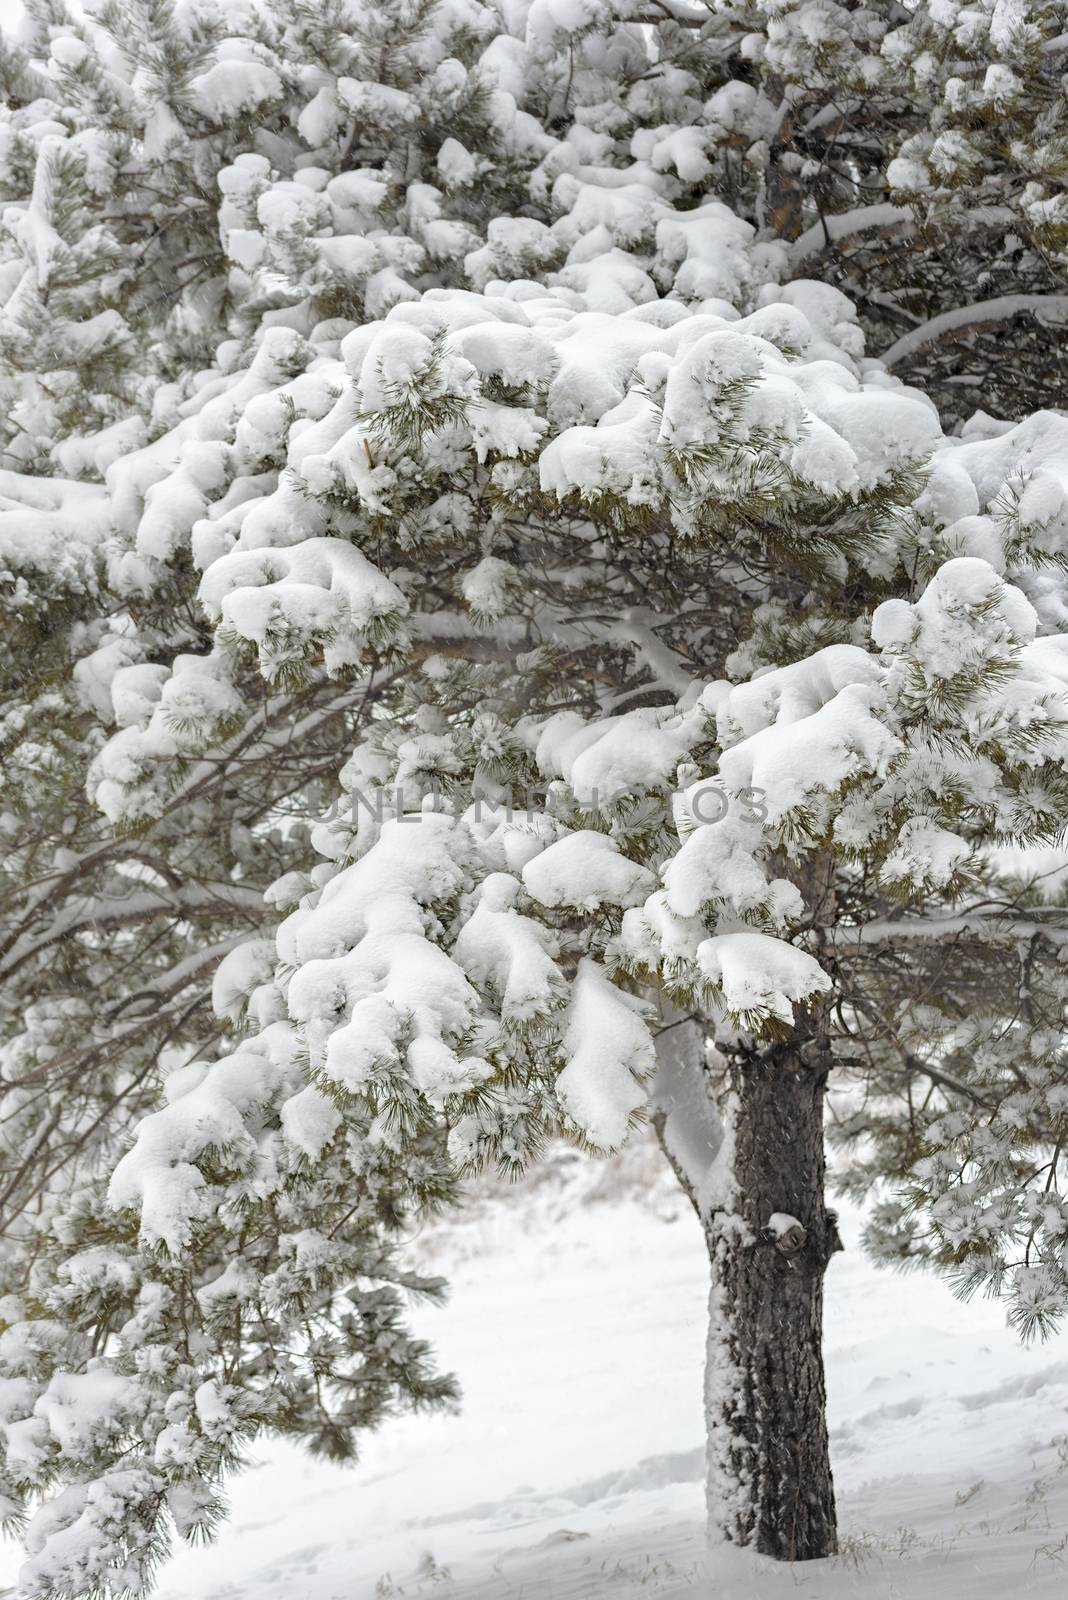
[(609, 1055), (758, 976), (585, 869)]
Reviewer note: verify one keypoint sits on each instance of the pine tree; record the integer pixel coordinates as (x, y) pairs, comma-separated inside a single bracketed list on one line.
[(850, 781), (519, 471)]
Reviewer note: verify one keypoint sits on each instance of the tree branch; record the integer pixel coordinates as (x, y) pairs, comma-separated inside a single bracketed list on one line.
[(1001, 309)]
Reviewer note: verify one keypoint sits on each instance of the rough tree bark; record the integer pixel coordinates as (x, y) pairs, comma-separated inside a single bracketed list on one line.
[(770, 1481), (759, 1193)]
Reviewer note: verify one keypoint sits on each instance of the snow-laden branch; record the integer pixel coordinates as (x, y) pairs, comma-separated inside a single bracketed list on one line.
[(843, 225), (455, 629), (108, 912), (975, 920), (1046, 307), (672, 11), (669, 669), (840, 225), (182, 973)]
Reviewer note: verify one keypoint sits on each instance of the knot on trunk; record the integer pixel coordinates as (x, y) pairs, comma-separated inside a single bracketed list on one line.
[(790, 1237), (785, 1232)]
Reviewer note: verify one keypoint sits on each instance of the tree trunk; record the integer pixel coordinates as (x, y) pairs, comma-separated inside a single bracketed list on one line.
[(770, 1238), (755, 1177)]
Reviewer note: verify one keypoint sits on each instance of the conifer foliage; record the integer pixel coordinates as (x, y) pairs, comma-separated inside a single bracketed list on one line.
[(490, 656)]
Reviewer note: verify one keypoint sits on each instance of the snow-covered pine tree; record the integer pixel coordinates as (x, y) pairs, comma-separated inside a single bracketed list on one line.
[(431, 741), (616, 522), (722, 839), (116, 909)]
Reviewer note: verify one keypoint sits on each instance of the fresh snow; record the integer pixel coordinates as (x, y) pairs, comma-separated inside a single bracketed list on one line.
[(573, 1470)]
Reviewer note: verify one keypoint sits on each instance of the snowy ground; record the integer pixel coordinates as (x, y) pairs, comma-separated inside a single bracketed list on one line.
[(573, 1471)]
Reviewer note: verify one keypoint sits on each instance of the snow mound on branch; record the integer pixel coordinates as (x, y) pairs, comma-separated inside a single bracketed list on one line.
[(788, 694), (163, 716), (372, 993), (508, 955), (238, 974), (996, 497), (235, 87), (758, 976), (51, 527), (605, 756), (82, 1526), (803, 763), (159, 1176), (924, 855), (286, 602), (720, 863), (586, 869), (609, 1053), (966, 616)]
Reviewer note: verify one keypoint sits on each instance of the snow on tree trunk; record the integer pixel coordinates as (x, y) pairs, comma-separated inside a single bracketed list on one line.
[(681, 1108), (770, 1237)]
